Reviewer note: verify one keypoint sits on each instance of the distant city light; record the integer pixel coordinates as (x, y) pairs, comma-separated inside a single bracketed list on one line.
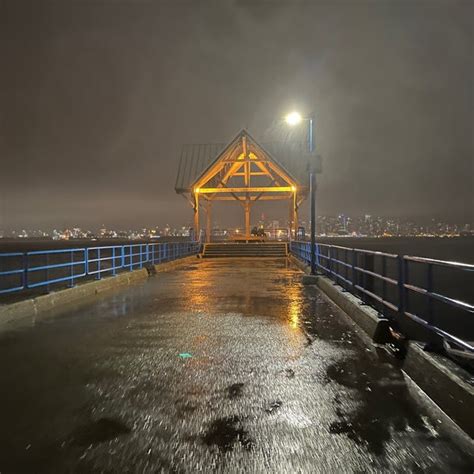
[(339, 225), (293, 118)]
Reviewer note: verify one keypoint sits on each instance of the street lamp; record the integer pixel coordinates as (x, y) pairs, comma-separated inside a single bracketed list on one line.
[(293, 119)]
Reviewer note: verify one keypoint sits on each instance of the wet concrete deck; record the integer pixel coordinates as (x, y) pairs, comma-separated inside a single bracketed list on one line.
[(220, 366)]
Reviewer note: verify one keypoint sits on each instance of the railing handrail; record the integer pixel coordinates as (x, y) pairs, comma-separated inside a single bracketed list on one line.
[(92, 261), (52, 251), (340, 275), (445, 263)]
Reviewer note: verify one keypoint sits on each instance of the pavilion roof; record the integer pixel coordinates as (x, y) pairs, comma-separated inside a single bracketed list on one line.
[(197, 158)]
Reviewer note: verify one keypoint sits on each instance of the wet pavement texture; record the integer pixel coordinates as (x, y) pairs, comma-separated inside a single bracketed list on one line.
[(220, 366)]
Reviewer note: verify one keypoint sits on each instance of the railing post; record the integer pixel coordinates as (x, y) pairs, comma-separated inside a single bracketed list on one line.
[(131, 257), (346, 261), (72, 268), (368, 280), (401, 284), (25, 270), (406, 277), (429, 288), (113, 262), (99, 267), (384, 283), (354, 262), (47, 272), (330, 261), (86, 260)]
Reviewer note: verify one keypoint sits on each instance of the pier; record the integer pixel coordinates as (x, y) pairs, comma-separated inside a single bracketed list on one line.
[(217, 365)]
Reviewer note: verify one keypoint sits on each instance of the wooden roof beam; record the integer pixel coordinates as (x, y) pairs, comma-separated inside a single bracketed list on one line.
[(266, 197), (265, 189)]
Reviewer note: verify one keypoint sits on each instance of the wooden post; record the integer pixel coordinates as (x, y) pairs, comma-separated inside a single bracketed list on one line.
[(247, 219), (196, 216), (295, 215), (291, 216), (208, 221)]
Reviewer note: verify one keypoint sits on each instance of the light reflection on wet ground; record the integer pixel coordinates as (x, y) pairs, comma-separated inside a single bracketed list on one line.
[(220, 366)]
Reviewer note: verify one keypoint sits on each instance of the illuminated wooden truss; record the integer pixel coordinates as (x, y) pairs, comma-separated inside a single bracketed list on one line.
[(244, 172)]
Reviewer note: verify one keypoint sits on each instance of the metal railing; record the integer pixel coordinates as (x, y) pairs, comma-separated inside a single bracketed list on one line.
[(385, 281), (21, 271)]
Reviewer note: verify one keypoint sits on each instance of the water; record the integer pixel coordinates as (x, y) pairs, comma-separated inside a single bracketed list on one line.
[(458, 249), (26, 245)]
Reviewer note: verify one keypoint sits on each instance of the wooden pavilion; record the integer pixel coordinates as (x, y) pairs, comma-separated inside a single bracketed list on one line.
[(242, 171)]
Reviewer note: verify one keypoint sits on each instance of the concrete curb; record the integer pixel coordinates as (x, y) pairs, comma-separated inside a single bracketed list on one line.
[(164, 267), (298, 263), (365, 317), (42, 304), (446, 384)]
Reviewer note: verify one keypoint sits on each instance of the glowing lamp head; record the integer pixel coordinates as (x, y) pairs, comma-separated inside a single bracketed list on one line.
[(293, 188), (197, 190), (294, 118)]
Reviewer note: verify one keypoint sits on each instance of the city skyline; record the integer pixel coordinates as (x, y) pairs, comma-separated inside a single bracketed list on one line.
[(337, 225)]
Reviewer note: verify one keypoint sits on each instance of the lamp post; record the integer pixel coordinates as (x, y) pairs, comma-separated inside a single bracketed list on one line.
[(293, 119)]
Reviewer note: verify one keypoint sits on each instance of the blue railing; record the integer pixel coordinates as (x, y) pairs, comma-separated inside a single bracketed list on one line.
[(390, 283), (21, 271)]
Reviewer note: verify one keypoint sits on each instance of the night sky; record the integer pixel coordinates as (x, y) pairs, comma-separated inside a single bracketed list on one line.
[(97, 97)]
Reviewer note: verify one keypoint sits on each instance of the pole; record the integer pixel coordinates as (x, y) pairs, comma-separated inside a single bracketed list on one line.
[(290, 219), (312, 189), (208, 222), (312, 192), (295, 216), (247, 220), (197, 232)]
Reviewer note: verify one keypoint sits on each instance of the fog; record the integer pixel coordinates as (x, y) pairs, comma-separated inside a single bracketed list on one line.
[(97, 98)]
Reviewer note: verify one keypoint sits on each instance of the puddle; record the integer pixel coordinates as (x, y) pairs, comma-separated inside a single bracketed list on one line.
[(385, 405), (104, 429), (226, 433), (235, 390)]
